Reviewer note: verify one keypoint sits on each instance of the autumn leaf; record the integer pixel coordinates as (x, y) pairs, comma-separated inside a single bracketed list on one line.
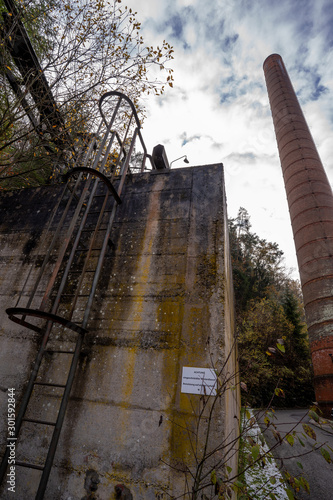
[(255, 450), (281, 348), (279, 392), (290, 494), (326, 455), (314, 416), (309, 431), (290, 439)]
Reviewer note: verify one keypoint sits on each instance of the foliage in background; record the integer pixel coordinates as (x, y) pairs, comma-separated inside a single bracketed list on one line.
[(272, 334), (85, 49)]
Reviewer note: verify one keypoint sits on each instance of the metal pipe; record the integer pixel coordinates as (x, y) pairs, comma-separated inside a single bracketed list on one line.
[(310, 203)]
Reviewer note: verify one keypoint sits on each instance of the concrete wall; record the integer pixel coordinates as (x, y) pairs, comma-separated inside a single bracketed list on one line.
[(165, 301)]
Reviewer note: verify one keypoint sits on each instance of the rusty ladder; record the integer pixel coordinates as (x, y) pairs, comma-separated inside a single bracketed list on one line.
[(80, 239)]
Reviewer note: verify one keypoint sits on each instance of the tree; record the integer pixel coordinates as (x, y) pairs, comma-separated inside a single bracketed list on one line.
[(84, 49), (272, 335), (256, 263)]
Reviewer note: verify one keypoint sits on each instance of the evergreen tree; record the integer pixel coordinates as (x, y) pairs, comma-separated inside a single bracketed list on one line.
[(270, 325)]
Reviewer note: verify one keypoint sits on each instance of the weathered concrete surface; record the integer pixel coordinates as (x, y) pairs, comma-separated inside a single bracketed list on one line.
[(165, 301)]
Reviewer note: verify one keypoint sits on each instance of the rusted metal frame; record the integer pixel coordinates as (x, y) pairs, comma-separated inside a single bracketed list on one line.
[(76, 243), (54, 239), (19, 94), (65, 245), (91, 246), (106, 238), (59, 422), (53, 318)]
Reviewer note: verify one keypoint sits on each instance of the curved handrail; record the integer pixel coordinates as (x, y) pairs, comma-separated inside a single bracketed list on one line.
[(123, 96), (12, 311), (95, 173)]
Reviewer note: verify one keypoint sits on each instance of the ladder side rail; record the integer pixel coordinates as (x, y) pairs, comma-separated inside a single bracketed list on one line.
[(91, 246), (99, 267), (91, 149), (125, 166), (61, 224), (122, 150), (102, 166), (59, 422), (107, 237), (145, 154), (65, 245), (127, 157), (73, 250), (122, 143), (53, 242), (106, 134), (24, 404)]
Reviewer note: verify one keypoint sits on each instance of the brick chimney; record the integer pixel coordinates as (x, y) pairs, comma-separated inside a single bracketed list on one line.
[(310, 203)]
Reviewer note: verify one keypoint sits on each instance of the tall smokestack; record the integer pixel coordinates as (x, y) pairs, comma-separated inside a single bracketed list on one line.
[(310, 202)]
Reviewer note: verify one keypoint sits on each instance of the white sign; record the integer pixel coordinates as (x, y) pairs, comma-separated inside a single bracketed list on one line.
[(199, 381)]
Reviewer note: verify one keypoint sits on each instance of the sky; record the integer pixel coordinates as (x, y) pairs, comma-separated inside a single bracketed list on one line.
[(218, 110)]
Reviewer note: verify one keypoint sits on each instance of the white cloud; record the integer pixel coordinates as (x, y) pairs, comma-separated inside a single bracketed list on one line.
[(220, 101)]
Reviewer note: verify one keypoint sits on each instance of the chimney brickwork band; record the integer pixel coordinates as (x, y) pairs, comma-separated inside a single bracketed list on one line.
[(310, 203)]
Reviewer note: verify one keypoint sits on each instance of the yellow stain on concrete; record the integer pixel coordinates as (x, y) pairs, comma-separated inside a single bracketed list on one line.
[(142, 275)]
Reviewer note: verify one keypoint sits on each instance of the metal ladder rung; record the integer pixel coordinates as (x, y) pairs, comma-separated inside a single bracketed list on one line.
[(80, 272), (34, 421), (72, 295), (49, 384), (30, 466), (86, 250), (89, 230), (98, 212), (51, 351)]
